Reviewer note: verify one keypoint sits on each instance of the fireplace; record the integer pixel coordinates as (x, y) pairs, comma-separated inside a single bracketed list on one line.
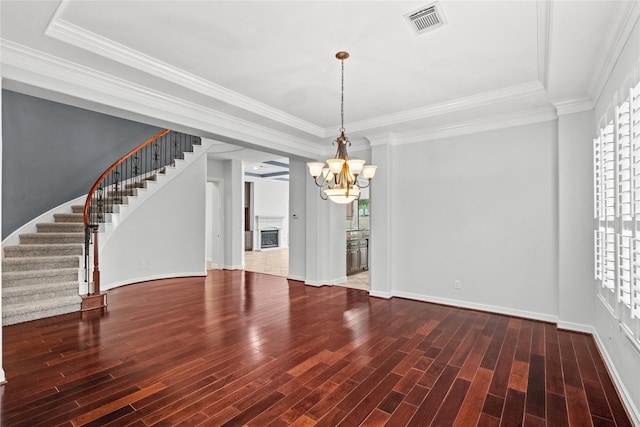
[(268, 239), (268, 235)]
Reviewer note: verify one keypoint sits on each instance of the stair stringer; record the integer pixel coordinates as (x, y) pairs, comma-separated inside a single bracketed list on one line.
[(123, 211)]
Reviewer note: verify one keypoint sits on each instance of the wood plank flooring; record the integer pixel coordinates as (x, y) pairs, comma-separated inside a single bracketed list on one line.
[(243, 348)]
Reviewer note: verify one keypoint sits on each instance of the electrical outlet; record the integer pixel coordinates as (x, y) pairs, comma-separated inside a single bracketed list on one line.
[(457, 284)]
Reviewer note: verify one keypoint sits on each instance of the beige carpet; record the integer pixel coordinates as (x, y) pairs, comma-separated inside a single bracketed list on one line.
[(276, 262)]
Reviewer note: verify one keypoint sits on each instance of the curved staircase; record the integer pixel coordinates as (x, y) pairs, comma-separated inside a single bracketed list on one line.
[(40, 275)]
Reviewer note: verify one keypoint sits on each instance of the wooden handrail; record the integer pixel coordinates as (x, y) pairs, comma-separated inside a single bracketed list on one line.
[(87, 203)]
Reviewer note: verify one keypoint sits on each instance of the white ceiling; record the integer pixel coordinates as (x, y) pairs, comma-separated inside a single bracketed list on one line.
[(270, 67)]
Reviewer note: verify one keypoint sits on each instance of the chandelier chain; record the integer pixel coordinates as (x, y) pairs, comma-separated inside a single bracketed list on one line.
[(342, 99)]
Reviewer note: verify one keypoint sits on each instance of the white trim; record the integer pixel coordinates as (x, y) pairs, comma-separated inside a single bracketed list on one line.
[(378, 294), (576, 327), (385, 138), (80, 37), (296, 278), (626, 15), (13, 239), (32, 67), (520, 118), (150, 278), (617, 379), (573, 105), (339, 281), (483, 307), (506, 94), (314, 283), (544, 14)]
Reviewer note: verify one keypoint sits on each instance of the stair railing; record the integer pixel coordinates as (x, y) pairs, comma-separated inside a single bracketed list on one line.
[(120, 180)]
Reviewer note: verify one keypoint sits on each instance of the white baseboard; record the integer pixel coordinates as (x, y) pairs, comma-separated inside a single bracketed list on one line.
[(576, 327), (109, 286), (314, 283), (377, 294), (634, 412), (482, 307)]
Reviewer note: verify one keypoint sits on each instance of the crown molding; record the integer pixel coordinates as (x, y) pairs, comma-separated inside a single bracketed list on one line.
[(544, 40), (385, 138), (520, 118), (67, 32), (80, 37), (480, 100), (626, 16), (573, 105), (35, 68)]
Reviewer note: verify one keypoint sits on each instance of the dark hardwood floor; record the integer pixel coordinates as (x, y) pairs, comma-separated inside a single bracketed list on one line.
[(248, 348)]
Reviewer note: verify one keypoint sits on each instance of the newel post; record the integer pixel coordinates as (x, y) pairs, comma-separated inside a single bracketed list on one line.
[(94, 299), (96, 269)]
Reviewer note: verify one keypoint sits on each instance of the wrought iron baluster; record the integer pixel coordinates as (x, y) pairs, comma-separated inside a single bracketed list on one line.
[(136, 170), (175, 150), (117, 196)]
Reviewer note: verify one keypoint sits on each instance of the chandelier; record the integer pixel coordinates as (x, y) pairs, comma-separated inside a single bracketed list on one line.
[(338, 179)]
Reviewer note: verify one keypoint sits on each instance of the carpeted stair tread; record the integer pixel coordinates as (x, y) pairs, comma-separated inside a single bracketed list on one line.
[(77, 209), (35, 238), (23, 294), (17, 313), (40, 263), (40, 250), (60, 227), (37, 277), (69, 217)]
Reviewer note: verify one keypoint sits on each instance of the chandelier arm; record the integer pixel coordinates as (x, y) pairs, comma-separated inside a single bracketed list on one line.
[(323, 195), (361, 185), (321, 183)]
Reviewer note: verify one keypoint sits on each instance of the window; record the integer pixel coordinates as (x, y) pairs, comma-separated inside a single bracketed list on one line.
[(617, 209)]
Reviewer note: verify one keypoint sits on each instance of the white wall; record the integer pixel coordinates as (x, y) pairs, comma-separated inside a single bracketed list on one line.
[(233, 208), (298, 177), (213, 226), (575, 219), (163, 237), (270, 198), (229, 175), (326, 239), (481, 209)]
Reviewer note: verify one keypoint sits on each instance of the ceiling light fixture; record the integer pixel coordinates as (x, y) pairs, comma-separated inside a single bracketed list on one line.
[(339, 181)]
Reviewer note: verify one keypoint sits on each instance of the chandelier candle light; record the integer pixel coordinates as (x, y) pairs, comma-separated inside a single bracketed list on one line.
[(339, 180)]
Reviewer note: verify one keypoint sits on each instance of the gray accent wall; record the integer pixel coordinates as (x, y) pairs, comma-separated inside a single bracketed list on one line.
[(53, 153)]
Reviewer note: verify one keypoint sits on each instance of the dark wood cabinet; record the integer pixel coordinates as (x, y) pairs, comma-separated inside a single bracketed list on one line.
[(357, 255)]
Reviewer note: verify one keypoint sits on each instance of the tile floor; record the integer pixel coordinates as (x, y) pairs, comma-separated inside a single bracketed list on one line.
[(276, 262)]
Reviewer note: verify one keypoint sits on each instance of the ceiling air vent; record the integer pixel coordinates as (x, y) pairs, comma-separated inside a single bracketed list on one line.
[(426, 18)]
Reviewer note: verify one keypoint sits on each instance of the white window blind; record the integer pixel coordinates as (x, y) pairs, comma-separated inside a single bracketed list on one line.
[(616, 156)]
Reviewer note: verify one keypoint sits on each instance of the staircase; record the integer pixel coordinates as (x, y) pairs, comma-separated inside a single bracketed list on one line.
[(40, 275)]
